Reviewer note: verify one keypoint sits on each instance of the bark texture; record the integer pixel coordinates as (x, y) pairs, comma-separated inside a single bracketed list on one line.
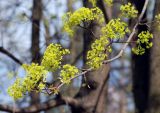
[(141, 70), (35, 49), (93, 95), (154, 101)]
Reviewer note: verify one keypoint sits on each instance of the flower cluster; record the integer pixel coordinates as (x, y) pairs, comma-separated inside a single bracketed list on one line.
[(108, 2), (115, 29), (93, 2), (97, 54), (81, 15), (67, 73), (53, 56), (33, 81), (144, 38), (128, 10), (15, 90), (157, 18), (35, 74)]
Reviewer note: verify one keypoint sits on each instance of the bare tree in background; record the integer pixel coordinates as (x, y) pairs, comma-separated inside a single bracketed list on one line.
[(35, 40)]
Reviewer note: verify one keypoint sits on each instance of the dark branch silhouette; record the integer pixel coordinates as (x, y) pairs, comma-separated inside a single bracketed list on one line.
[(40, 106), (4, 51)]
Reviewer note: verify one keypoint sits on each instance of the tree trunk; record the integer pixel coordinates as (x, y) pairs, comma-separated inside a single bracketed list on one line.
[(154, 101), (35, 49), (93, 95), (140, 70)]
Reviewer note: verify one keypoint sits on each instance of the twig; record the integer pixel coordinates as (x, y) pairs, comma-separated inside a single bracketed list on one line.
[(88, 70), (4, 51), (131, 35), (123, 48), (121, 51), (40, 106), (124, 42), (88, 30)]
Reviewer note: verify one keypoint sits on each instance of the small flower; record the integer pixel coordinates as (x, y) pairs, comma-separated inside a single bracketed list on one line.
[(144, 38), (128, 11), (115, 29), (53, 56), (15, 90), (67, 73), (79, 16), (108, 2)]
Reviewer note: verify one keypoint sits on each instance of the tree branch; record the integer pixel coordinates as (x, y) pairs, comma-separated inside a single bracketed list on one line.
[(102, 4), (41, 106), (4, 51), (131, 35), (123, 48)]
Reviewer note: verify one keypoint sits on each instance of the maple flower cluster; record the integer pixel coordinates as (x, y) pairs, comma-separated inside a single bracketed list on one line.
[(113, 30), (67, 72), (144, 39), (33, 81), (108, 2), (71, 20), (157, 18), (128, 10), (97, 54), (53, 56), (15, 90), (35, 78)]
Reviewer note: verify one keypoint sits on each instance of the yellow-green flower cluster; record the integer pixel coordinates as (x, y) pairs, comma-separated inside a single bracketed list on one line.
[(33, 81), (157, 18), (67, 73), (144, 38), (15, 90), (108, 2), (41, 86), (81, 15), (36, 74), (94, 2), (128, 10), (53, 56), (115, 29), (97, 54)]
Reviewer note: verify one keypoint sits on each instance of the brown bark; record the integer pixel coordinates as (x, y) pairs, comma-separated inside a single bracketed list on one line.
[(36, 18), (35, 49), (76, 40), (140, 70), (154, 101), (47, 32), (39, 106), (92, 96)]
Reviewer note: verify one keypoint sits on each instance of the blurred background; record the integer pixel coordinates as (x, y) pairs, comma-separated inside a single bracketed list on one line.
[(27, 27)]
